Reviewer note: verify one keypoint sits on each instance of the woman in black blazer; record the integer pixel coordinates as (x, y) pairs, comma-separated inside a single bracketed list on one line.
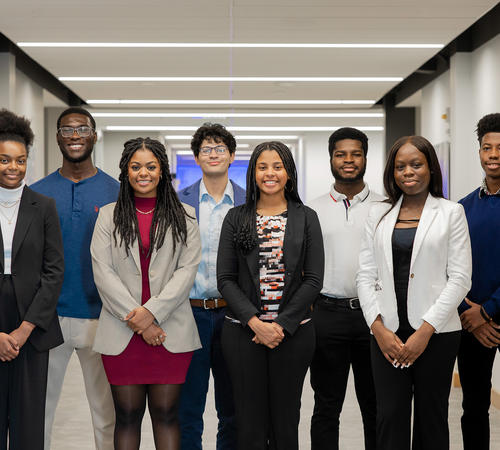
[(269, 271), (31, 275)]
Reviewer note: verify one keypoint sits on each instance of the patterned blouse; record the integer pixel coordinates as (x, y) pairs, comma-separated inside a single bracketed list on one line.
[(271, 234)]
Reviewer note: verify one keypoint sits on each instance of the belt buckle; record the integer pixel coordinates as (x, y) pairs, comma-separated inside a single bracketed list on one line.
[(215, 300), (351, 303)]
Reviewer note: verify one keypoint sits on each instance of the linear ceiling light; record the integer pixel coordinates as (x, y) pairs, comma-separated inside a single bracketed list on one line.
[(235, 79), (183, 147), (221, 45), (190, 128), (230, 102), (223, 115), (247, 137)]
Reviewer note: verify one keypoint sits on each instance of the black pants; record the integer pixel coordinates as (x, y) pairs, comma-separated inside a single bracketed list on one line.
[(267, 385), (428, 382), (475, 365), (342, 340), (23, 383)]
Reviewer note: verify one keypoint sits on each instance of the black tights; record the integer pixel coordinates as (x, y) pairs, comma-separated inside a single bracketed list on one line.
[(130, 403)]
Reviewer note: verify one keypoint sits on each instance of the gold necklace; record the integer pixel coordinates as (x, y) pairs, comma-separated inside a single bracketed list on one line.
[(144, 212), (9, 221), (10, 204)]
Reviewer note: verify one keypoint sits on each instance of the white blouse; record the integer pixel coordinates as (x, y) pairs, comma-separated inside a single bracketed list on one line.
[(9, 209)]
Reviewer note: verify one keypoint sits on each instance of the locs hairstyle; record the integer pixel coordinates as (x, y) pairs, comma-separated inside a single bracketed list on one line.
[(216, 132), (424, 146), (75, 110), (246, 235), (168, 212), (347, 133), (15, 128), (488, 124)]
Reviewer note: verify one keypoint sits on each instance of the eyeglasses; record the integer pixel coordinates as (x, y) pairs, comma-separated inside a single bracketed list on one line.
[(220, 149), (70, 131)]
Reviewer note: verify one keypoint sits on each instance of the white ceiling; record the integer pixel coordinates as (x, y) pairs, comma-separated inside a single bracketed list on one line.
[(249, 21)]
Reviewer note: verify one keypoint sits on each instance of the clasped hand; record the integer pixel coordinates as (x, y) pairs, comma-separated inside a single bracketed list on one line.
[(396, 352), (269, 334), (139, 319)]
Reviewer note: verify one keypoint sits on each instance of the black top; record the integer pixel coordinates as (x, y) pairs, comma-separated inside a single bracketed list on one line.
[(402, 246), (238, 277)]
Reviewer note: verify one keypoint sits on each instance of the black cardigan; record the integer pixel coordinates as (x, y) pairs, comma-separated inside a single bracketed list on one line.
[(238, 273)]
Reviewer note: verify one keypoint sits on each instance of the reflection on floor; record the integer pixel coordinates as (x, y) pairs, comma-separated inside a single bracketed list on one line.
[(73, 429)]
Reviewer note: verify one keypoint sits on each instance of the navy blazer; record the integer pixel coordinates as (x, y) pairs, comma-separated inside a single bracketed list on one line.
[(37, 267), (191, 196), (238, 277)]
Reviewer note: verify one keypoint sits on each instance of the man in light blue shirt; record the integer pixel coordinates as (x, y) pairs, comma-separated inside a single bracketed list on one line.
[(212, 197)]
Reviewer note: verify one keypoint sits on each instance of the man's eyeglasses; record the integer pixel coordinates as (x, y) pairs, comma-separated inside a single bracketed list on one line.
[(220, 149), (68, 132)]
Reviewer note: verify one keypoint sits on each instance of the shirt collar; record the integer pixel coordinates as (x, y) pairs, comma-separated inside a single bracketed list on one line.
[(228, 196), (358, 198), (483, 190)]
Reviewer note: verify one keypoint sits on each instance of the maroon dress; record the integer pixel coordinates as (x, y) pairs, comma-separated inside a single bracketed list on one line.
[(141, 363)]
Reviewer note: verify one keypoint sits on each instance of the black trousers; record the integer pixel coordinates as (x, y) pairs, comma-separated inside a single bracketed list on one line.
[(475, 365), (342, 340), (267, 385), (23, 383), (428, 382)]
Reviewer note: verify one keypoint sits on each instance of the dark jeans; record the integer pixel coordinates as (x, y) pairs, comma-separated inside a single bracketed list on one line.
[(428, 383), (342, 340), (267, 385), (194, 391), (475, 365)]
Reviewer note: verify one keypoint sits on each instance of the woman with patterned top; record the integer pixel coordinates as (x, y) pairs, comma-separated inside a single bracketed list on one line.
[(269, 270), (145, 254)]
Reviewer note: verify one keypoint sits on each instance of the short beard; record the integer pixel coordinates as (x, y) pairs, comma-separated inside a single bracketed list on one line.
[(80, 159), (339, 177)]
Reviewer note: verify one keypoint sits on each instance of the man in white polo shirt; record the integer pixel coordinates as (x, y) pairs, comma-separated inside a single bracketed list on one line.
[(342, 336)]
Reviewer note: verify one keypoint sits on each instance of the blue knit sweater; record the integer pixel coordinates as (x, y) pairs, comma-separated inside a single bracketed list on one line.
[(483, 217)]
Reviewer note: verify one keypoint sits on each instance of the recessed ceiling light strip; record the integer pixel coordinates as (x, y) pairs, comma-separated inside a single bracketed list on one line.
[(235, 128), (207, 115), (228, 102), (236, 79), (225, 45)]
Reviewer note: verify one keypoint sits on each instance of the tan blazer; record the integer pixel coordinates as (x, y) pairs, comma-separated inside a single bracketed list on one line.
[(440, 269), (118, 280)]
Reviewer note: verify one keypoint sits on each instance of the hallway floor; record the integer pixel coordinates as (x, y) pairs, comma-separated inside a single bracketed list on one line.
[(73, 429)]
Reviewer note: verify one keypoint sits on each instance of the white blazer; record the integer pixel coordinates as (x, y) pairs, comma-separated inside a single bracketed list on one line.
[(118, 280), (440, 268)]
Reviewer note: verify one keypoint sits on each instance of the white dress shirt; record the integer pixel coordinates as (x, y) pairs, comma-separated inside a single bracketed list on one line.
[(9, 197), (342, 224)]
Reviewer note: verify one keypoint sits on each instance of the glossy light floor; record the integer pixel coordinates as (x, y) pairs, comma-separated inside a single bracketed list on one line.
[(73, 429)]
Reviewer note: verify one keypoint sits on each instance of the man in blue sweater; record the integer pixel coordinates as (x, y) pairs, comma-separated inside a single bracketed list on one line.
[(480, 311), (212, 196), (79, 189)]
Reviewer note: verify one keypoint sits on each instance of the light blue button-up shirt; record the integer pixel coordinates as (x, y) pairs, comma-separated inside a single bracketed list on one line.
[(212, 215)]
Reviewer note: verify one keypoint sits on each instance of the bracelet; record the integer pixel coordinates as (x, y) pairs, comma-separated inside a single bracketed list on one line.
[(485, 316)]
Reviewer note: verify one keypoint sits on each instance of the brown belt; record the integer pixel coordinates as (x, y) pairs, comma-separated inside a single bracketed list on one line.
[(208, 303)]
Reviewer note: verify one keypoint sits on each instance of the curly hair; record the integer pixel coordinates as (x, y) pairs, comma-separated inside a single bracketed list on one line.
[(15, 128), (212, 131), (169, 212), (488, 124), (246, 234), (347, 133)]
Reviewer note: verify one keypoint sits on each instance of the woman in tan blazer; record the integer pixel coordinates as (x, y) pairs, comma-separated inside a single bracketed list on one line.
[(145, 254)]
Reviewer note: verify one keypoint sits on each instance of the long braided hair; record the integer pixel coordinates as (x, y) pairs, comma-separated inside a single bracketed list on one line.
[(246, 234), (168, 211)]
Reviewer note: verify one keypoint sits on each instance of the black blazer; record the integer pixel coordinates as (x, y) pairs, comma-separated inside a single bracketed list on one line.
[(37, 267), (238, 273)]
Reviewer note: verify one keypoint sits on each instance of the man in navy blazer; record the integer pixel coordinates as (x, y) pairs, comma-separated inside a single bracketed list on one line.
[(212, 197)]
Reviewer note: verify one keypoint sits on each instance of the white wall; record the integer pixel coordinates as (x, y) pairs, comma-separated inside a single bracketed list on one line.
[(470, 89)]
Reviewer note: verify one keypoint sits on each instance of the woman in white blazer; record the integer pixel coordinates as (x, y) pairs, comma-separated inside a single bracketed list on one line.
[(415, 268), (145, 254)]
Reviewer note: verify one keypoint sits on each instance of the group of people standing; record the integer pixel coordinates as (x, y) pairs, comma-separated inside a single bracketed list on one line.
[(155, 290)]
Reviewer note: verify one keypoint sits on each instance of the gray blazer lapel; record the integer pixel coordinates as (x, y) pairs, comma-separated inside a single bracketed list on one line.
[(134, 251)]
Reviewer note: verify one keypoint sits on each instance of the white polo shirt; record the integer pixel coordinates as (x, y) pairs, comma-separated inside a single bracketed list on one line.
[(343, 225)]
